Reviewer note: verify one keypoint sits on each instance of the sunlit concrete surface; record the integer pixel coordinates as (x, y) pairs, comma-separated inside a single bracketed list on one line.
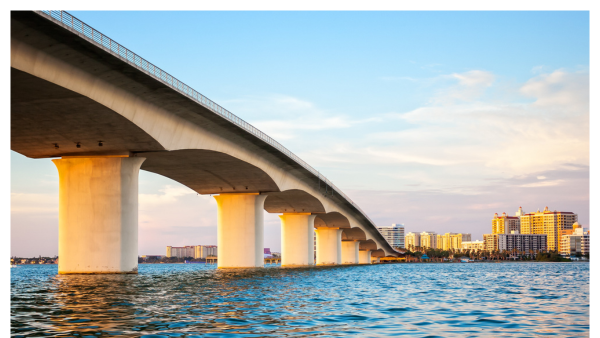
[(98, 214), (240, 230), (364, 257), (297, 241), (350, 252), (329, 246)]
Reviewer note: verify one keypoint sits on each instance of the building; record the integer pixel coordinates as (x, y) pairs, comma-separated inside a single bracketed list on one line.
[(429, 239), (490, 242), (505, 224), (147, 258), (473, 246), (566, 232), (439, 241), (203, 251), (578, 241), (413, 240), (527, 243), (452, 241), (180, 251), (548, 222), (394, 235), (195, 251)]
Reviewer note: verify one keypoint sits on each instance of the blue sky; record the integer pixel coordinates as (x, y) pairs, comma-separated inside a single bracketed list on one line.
[(432, 119)]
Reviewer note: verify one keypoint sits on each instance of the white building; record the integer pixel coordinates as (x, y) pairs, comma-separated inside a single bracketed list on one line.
[(473, 245), (522, 242), (203, 251), (394, 235), (577, 242), (195, 251)]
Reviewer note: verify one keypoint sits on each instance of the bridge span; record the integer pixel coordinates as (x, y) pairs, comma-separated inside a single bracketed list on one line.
[(102, 113)]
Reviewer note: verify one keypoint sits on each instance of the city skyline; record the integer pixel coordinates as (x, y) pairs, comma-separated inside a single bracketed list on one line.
[(435, 140)]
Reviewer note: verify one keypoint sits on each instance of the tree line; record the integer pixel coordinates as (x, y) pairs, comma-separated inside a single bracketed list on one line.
[(439, 255)]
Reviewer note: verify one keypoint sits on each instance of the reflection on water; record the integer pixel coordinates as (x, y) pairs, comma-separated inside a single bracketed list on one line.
[(193, 300)]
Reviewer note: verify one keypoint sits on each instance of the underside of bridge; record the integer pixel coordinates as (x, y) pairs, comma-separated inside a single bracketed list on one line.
[(48, 120), (97, 143)]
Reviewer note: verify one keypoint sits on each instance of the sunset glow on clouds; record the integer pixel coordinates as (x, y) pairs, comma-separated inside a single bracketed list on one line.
[(437, 139)]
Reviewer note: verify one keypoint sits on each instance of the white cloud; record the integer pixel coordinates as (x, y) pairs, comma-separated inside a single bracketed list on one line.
[(542, 184), (451, 143), (467, 87), (475, 78), (169, 195), (560, 91), (285, 117)]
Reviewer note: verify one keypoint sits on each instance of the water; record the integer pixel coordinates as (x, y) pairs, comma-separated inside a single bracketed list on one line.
[(415, 300)]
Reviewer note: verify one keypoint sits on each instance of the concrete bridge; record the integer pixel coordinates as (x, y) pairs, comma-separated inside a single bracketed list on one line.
[(104, 113)]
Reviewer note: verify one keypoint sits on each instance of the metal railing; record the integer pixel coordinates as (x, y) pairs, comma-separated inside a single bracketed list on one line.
[(78, 27)]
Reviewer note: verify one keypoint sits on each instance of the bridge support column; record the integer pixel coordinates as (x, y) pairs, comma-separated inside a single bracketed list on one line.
[(297, 239), (240, 230), (364, 257), (98, 214), (329, 246), (350, 252)]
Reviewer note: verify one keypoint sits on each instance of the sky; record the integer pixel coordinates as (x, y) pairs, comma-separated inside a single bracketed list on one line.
[(436, 120)]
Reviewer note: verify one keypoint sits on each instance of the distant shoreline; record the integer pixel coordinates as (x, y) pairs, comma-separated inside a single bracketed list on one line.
[(493, 262)]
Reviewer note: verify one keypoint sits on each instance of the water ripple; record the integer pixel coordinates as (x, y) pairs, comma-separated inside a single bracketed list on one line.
[(413, 300)]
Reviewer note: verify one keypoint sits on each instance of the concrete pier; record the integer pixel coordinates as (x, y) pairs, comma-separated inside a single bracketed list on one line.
[(364, 257), (350, 252), (98, 214), (240, 230), (329, 246), (297, 239)]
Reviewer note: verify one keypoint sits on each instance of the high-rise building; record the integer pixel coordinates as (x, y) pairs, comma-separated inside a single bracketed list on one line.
[(452, 241), (203, 251), (548, 222), (505, 224), (491, 242), (522, 242), (429, 239), (413, 240), (439, 241), (394, 235), (578, 241), (195, 251), (180, 251), (474, 245)]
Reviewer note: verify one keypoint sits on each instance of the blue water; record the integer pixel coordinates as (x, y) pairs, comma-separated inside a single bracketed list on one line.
[(414, 300)]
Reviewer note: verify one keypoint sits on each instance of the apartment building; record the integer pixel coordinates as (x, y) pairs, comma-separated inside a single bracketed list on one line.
[(505, 224), (548, 222)]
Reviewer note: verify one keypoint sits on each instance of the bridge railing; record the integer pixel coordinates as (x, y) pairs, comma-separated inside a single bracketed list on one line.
[(80, 28)]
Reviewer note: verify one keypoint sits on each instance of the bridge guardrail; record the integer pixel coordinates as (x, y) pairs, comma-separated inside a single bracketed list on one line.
[(80, 28)]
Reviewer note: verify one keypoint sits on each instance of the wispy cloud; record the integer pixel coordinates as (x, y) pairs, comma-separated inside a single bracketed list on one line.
[(493, 138), (168, 195), (286, 117)]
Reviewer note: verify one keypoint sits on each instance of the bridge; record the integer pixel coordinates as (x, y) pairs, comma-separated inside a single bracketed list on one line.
[(102, 113)]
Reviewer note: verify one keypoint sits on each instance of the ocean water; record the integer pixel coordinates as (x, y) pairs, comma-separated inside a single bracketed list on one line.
[(413, 300)]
